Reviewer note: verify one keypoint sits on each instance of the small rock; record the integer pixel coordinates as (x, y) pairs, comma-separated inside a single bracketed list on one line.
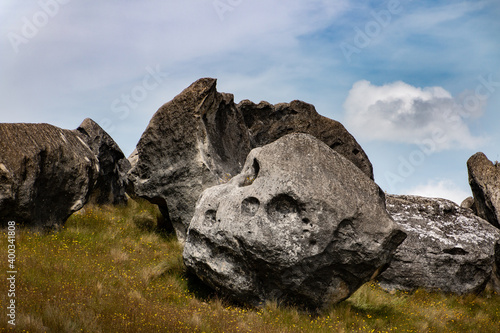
[(469, 204)]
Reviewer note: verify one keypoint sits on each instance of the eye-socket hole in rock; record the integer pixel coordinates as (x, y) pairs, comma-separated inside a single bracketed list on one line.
[(256, 169), (250, 206), (456, 251), (210, 216), (345, 229), (282, 206)]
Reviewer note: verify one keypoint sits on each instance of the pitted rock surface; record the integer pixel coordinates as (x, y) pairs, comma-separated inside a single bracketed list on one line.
[(300, 224), (448, 248)]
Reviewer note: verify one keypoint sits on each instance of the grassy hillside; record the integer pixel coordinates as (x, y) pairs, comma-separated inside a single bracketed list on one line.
[(108, 271)]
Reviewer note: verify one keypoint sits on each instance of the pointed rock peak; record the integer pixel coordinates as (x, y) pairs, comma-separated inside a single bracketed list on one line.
[(479, 157), (484, 180), (200, 87)]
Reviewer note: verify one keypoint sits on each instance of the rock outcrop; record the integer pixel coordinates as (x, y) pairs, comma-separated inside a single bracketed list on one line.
[(448, 248), (193, 142), (484, 180), (113, 165), (300, 224), (268, 123), (46, 174), (201, 139)]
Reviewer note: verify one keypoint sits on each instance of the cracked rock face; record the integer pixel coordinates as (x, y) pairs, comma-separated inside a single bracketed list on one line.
[(113, 165), (300, 224), (448, 248), (193, 142), (46, 174), (484, 180)]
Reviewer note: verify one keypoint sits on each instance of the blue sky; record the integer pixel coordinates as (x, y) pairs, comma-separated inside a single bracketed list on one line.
[(416, 82)]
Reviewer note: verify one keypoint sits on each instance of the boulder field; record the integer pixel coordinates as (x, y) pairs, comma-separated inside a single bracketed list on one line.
[(272, 202)]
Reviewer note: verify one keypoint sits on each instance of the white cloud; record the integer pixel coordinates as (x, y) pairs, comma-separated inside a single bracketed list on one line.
[(399, 112), (443, 188)]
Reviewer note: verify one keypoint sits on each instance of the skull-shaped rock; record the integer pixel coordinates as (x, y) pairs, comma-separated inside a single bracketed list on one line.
[(300, 224)]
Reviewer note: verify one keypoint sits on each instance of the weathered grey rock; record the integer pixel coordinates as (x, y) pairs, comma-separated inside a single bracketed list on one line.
[(484, 180), (268, 123), (448, 248), (495, 281), (46, 174), (193, 142), (469, 203), (300, 224), (113, 165)]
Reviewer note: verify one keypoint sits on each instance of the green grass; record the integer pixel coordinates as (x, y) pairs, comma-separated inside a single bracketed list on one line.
[(108, 270)]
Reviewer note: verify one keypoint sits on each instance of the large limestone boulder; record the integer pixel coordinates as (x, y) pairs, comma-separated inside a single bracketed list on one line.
[(113, 165), (484, 180), (201, 139), (195, 141), (300, 224), (268, 123), (448, 248), (46, 174)]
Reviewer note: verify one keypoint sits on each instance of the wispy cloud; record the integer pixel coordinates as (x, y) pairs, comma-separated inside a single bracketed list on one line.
[(399, 112)]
